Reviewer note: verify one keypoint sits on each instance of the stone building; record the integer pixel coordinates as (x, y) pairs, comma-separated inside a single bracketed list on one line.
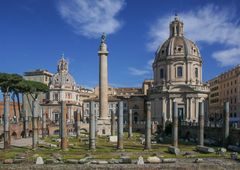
[(225, 87), (177, 77)]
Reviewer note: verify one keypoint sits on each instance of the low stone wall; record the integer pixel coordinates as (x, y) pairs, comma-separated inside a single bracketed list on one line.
[(183, 164), (215, 133)]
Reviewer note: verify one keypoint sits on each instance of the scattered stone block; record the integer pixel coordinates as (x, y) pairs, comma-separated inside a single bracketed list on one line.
[(50, 161), (221, 151), (140, 160), (153, 159), (198, 160), (102, 162), (205, 149), (113, 138), (57, 156), (174, 150), (85, 160), (153, 142), (39, 161), (18, 161), (210, 142), (53, 145), (8, 161), (72, 161), (234, 148), (234, 155), (113, 161), (125, 160), (169, 160)]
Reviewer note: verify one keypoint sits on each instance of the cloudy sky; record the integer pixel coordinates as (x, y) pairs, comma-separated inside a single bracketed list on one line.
[(35, 33)]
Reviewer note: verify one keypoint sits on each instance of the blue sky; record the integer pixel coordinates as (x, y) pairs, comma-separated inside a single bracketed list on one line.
[(34, 34)]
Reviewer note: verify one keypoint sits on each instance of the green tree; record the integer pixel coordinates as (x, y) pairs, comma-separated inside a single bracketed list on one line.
[(32, 89), (7, 82)]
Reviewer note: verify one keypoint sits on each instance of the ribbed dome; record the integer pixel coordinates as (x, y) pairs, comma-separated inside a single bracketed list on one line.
[(62, 79), (177, 45)]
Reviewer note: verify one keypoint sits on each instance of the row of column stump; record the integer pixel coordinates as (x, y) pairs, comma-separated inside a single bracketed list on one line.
[(92, 126)]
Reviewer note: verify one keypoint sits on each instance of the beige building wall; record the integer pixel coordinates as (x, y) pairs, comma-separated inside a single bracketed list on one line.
[(225, 87)]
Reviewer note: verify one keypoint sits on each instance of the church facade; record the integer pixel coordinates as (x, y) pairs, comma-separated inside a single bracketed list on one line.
[(177, 71)]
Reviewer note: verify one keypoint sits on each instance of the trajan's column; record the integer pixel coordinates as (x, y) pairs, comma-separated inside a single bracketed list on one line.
[(104, 125)]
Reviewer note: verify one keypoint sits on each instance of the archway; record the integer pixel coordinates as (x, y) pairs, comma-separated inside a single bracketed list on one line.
[(14, 135)]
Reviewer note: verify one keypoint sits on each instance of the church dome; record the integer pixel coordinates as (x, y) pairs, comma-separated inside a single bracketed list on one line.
[(62, 79), (177, 60), (177, 45)]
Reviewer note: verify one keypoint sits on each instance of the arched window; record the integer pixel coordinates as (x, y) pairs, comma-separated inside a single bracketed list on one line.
[(196, 72), (161, 73), (179, 71)]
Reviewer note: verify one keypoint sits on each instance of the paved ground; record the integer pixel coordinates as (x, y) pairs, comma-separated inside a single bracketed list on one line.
[(182, 164)]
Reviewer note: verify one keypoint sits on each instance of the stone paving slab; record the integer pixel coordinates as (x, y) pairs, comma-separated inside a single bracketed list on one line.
[(183, 164)]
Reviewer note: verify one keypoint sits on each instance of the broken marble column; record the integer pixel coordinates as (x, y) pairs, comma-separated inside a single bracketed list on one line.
[(130, 124), (44, 125), (175, 125), (148, 127), (120, 125), (163, 122), (6, 121), (77, 123), (201, 123), (64, 143), (34, 124), (113, 123), (226, 122), (92, 129), (24, 117)]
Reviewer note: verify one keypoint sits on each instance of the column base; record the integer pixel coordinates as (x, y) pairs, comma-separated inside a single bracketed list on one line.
[(103, 127)]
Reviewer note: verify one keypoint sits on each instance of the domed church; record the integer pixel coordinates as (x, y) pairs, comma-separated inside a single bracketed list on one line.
[(177, 77)]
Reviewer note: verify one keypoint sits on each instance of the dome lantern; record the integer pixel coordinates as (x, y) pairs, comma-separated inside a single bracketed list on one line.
[(176, 27)]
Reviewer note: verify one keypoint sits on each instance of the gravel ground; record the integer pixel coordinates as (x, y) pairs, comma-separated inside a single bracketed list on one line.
[(181, 164)]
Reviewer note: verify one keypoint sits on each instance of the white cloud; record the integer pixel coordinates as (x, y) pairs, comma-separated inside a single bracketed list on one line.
[(138, 72), (91, 17), (142, 72), (210, 24)]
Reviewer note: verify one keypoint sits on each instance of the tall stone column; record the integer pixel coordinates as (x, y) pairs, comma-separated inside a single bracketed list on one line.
[(24, 117), (187, 109), (175, 125), (226, 122), (63, 123), (7, 137), (196, 109), (190, 109), (77, 122), (201, 123), (130, 124), (92, 127), (113, 122), (170, 109), (164, 114), (148, 127), (120, 125), (104, 121), (44, 124), (34, 124)]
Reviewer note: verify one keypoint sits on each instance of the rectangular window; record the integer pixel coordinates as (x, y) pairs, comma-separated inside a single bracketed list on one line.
[(55, 97), (161, 73), (196, 72), (179, 71)]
